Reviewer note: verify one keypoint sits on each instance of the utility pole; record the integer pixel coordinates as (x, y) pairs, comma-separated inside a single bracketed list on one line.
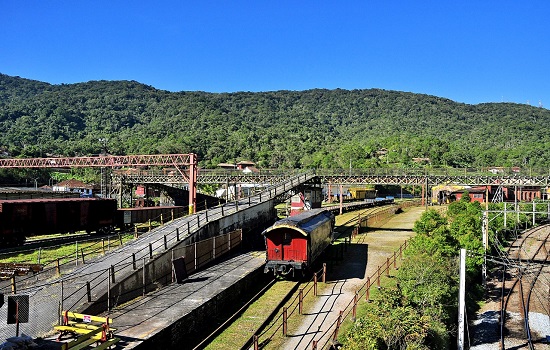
[(485, 233), (461, 302)]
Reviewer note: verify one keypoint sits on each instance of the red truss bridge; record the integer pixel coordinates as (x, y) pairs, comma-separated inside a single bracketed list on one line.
[(178, 161)]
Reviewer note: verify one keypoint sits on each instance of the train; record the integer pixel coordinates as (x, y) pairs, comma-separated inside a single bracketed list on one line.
[(21, 218), (294, 244), (356, 194)]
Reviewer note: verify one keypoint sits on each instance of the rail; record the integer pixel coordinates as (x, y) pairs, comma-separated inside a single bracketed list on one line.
[(295, 306), (507, 291), (74, 281)]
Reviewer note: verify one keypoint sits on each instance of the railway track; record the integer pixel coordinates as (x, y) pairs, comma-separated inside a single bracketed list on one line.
[(33, 244), (275, 292), (36, 256), (523, 290), (269, 325)]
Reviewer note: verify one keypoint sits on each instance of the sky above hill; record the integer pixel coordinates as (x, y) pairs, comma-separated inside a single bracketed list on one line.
[(469, 51)]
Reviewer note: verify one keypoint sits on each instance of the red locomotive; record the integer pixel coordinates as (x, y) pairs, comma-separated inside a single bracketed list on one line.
[(293, 244)]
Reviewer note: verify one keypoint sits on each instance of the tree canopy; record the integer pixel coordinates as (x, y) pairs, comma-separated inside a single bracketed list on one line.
[(279, 129)]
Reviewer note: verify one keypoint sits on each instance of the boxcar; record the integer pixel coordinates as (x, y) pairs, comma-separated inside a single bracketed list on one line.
[(28, 217), (128, 216), (293, 244)]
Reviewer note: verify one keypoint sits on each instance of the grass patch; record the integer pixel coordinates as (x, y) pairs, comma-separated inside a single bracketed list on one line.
[(67, 252), (236, 335), (362, 305)]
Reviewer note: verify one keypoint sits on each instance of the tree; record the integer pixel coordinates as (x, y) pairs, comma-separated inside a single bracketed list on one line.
[(428, 222), (392, 323)]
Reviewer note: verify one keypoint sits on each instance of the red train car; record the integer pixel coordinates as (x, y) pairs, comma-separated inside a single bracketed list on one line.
[(293, 244), (129, 216), (28, 217)]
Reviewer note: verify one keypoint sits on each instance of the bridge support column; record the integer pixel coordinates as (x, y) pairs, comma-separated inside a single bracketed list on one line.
[(341, 199), (423, 195), (192, 183)]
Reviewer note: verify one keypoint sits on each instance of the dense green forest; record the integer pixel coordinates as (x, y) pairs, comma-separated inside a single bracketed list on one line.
[(280, 129)]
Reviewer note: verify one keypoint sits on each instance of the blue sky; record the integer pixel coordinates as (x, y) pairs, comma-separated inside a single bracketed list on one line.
[(468, 51)]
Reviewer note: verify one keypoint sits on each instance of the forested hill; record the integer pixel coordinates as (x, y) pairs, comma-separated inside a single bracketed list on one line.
[(313, 128)]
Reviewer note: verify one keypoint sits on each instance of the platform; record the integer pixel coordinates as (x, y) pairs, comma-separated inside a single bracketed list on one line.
[(181, 314)]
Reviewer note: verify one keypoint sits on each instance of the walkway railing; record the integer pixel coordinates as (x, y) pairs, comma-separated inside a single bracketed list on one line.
[(76, 281), (349, 312)]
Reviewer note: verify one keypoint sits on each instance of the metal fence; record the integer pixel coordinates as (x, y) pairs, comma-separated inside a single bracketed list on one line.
[(325, 339), (100, 289), (88, 281)]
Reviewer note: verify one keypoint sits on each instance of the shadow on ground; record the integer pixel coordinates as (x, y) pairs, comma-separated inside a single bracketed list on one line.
[(349, 261)]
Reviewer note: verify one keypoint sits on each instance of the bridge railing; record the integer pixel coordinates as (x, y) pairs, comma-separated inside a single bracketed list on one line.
[(286, 173), (428, 171)]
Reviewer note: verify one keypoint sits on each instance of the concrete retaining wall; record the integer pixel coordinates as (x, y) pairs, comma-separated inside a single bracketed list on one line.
[(191, 328), (158, 272)]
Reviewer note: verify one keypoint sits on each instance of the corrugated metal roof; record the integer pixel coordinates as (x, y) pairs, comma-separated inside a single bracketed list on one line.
[(72, 183), (304, 222)]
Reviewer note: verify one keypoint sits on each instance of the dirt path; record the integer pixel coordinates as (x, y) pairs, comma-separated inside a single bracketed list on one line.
[(361, 261)]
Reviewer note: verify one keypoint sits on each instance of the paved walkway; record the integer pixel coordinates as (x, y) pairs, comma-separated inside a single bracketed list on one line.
[(362, 260)]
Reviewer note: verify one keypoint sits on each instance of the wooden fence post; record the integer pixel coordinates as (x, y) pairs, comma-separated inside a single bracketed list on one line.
[(367, 293), (324, 272), (338, 323), (355, 299), (378, 277), (301, 301), (285, 320), (315, 284)]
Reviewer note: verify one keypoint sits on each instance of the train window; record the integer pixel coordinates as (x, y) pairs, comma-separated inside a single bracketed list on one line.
[(287, 238)]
